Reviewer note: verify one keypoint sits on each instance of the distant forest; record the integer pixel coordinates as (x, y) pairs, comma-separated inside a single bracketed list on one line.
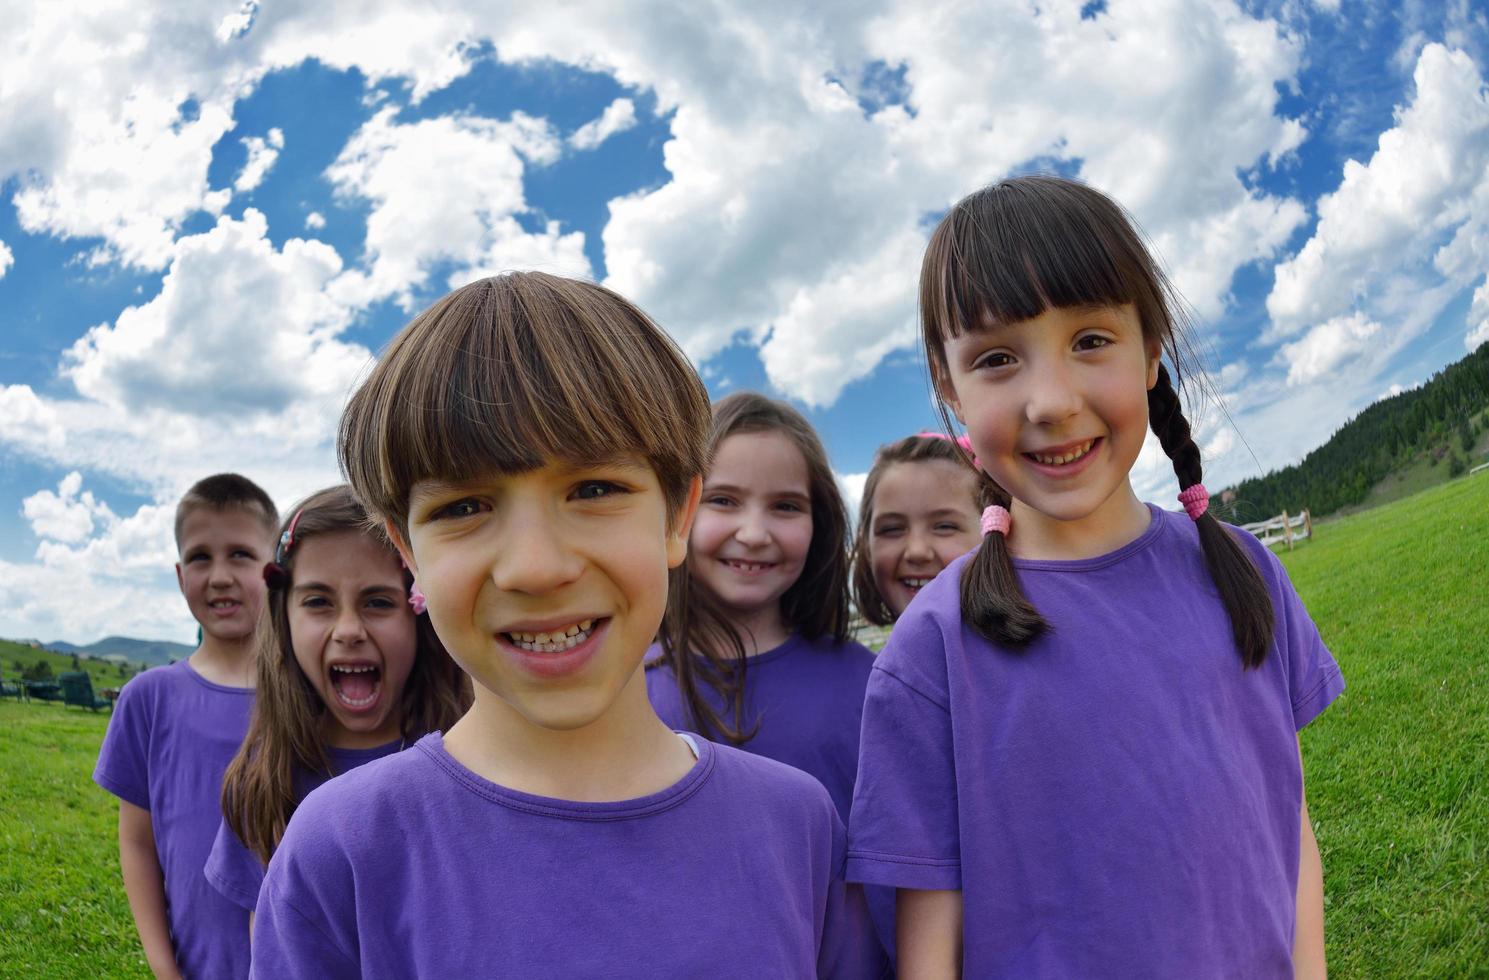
[(1435, 420)]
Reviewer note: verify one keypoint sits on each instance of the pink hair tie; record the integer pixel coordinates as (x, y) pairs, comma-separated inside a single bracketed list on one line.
[(416, 600), (1196, 501), (996, 518)]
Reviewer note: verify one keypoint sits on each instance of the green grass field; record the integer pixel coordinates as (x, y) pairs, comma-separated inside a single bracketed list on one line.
[(101, 672), (1395, 768)]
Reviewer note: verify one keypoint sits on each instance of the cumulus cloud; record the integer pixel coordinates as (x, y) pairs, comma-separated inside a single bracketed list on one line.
[(69, 514), (263, 151), (467, 217), (1327, 347), (7, 259), (618, 117), (1426, 179), (315, 221)]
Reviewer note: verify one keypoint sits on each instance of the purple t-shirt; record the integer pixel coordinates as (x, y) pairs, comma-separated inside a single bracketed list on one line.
[(1121, 798), (414, 866), (807, 697), (234, 870), (171, 738)]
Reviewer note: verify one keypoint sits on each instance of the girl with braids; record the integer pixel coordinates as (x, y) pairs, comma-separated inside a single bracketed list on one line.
[(1079, 751), (349, 670), (919, 513)]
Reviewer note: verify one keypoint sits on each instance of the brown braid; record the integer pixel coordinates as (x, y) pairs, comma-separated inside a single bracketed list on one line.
[(1240, 585)]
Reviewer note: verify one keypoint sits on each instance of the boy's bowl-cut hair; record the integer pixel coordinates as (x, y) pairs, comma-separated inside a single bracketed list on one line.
[(508, 373)]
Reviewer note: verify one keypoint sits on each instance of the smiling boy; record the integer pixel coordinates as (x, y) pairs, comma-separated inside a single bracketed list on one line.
[(175, 729), (535, 447)]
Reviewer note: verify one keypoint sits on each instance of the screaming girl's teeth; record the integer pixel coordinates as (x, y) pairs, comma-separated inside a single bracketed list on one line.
[(356, 685), (1063, 459), (554, 641)]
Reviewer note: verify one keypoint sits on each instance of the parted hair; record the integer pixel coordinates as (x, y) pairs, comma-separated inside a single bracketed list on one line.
[(911, 449), (284, 732), (699, 642), (1011, 251), (506, 374), (221, 491)]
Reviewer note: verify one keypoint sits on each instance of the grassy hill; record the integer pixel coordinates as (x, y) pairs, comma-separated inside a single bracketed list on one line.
[(1396, 768), (103, 673), (152, 653)]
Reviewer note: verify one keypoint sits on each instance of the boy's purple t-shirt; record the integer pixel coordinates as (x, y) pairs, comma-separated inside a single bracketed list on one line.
[(807, 698), (168, 744), (414, 866), (234, 870), (1121, 798)]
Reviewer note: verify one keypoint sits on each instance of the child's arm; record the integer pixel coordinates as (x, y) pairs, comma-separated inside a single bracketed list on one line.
[(145, 887), (928, 933), (1308, 934)]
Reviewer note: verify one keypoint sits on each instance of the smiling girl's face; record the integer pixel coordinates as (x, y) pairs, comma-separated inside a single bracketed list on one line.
[(754, 527), (353, 635), (923, 518)]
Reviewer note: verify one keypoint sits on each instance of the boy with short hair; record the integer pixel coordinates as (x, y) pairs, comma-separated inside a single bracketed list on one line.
[(175, 729)]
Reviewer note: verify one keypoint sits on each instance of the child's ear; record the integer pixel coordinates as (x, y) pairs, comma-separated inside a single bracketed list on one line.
[(682, 524), (1155, 357), (404, 552), (180, 579)]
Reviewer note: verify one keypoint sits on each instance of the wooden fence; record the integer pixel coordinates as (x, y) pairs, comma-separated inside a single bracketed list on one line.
[(1284, 527)]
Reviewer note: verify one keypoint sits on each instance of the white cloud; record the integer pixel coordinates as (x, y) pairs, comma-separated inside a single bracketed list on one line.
[(7, 259), (1426, 179), (1327, 347), (618, 117), (468, 216), (68, 515), (262, 153), (315, 221)]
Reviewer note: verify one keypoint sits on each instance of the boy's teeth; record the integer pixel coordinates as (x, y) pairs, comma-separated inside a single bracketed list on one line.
[(554, 641)]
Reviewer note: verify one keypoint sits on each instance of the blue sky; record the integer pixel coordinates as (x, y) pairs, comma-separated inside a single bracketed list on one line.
[(213, 215)]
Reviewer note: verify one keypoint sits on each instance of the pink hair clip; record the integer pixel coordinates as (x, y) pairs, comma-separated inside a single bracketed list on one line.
[(1196, 501), (963, 441), (995, 518), (416, 600)]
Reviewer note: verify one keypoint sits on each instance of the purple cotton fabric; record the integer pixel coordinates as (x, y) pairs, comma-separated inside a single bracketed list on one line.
[(414, 866), (171, 738), (807, 698), (234, 870), (1121, 798)]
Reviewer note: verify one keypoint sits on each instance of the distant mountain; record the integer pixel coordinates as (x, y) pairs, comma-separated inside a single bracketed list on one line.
[(150, 652), (1435, 422)]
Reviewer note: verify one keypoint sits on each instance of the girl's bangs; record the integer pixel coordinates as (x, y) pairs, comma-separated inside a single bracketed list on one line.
[(1006, 255)]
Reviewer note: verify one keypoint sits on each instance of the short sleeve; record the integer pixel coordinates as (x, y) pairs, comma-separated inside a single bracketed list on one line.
[(903, 829), (850, 950), (1313, 677), (305, 920), (124, 758), (233, 869)]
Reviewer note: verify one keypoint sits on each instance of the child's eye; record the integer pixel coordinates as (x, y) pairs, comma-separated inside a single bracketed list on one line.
[(996, 359), (315, 602), (1092, 341), (598, 490), (790, 507), (948, 527), (718, 500), (466, 507), (380, 602), (889, 530)]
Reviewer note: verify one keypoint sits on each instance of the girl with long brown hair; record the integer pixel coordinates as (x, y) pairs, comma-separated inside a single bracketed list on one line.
[(349, 671), (755, 647)]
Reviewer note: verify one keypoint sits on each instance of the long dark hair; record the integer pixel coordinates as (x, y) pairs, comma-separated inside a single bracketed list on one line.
[(258, 795), (1008, 253), (699, 641)]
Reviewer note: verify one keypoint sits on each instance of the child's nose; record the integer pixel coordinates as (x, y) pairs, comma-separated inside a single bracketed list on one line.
[(752, 529), (535, 558), (918, 547), (349, 628), (1052, 397)]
